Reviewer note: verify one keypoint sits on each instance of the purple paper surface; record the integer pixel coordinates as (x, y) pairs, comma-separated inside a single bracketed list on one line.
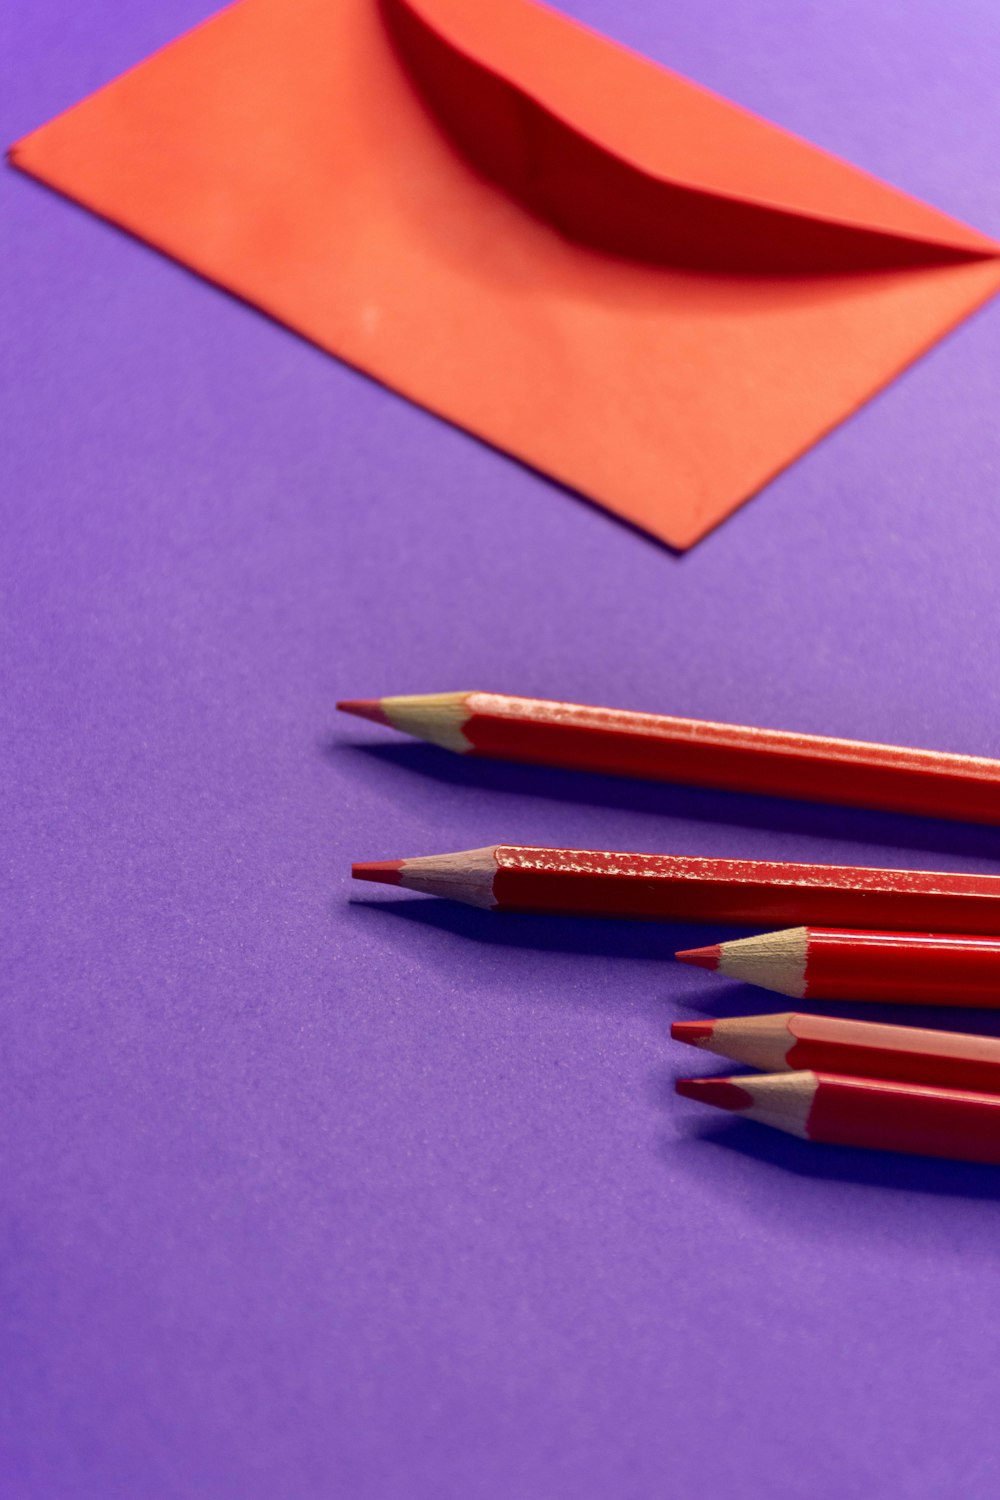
[(310, 1191)]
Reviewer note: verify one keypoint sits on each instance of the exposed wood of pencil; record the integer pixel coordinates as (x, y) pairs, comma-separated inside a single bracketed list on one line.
[(680, 887), (823, 963), (827, 1044), (697, 753), (869, 1112)]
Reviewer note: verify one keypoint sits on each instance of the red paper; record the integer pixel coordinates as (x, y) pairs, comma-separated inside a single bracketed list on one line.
[(584, 259)]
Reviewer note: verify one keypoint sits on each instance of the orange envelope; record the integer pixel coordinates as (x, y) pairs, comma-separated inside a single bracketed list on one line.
[(625, 281)]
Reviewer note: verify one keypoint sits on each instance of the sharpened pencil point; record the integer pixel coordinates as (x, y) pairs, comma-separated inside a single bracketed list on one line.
[(384, 871), (701, 958), (364, 708), (694, 1032), (722, 1092)]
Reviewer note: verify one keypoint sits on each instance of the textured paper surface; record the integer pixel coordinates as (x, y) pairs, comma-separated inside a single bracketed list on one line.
[(303, 1198), (594, 264)]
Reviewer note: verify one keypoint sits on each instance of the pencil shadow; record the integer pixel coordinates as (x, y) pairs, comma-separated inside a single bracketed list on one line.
[(839, 1164), (604, 937), (667, 800), (877, 1169)]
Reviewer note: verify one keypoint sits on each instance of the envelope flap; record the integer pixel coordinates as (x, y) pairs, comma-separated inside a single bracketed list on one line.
[(670, 129), (287, 151)]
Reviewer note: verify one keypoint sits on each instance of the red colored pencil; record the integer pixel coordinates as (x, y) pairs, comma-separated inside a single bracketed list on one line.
[(669, 886), (827, 1044), (828, 963), (661, 748), (862, 1112)]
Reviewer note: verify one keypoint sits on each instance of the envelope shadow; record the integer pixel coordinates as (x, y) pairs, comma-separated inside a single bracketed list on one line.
[(669, 800)]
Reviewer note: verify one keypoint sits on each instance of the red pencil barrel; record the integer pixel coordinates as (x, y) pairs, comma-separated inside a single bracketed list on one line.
[(734, 757), (751, 892), (897, 1117), (903, 967), (909, 1054)]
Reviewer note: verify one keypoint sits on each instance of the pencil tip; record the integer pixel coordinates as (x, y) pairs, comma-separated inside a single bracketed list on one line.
[(694, 1032), (364, 708), (722, 1092), (384, 871), (701, 958)]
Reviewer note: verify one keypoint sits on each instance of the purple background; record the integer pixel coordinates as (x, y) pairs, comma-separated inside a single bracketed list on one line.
[(309, 1191)]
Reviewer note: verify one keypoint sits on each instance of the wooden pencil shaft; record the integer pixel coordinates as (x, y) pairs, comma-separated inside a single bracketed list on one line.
[(673, 887), (702, 753), (828, 1044)]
